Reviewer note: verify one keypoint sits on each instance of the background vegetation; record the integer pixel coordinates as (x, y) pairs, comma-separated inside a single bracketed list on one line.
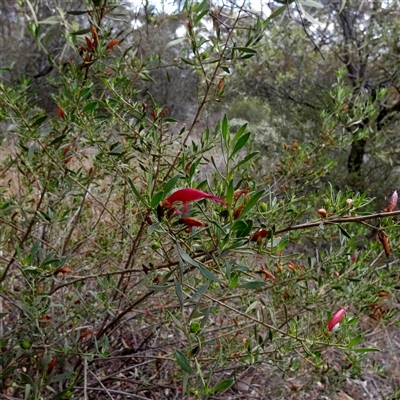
[(284, 117)]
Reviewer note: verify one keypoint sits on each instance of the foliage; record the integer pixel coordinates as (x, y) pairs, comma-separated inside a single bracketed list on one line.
[(107, 289)]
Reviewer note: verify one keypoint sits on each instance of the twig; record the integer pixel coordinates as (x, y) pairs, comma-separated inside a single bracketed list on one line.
[(340, 220), (85, 379), (101, 384)]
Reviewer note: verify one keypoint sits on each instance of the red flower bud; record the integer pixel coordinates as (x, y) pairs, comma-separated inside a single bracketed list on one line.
[(259, 234), (189, 221), (338, 316), (393, 202)]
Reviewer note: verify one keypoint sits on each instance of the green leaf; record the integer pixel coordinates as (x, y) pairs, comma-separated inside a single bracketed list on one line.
[(188, 61), (50, 21), (207, 274), (174, 42), (171, 184), (352, 321), (152, 228), (251, 203), (8, 68), (225, 129), (365, 350), (91, 106), (185, 257), (243, 228), (146, 77), (135, 191), (278, 12), (31, 152), (199, 293), (253, 285), (65, 394), (183, 362), (311, 3), (81, 32), (282, 244), (155, 201), (344, 232), (176, 321), (223, 385), (246, 50), (39, 121), (246, 159), (353, 342), (78, 12), (240, 144), (3, 314), (204, 271), (179, 292), (229, 194), (57, 140), (240, 132)]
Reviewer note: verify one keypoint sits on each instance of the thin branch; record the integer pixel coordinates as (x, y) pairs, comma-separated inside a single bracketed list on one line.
[(345, 220)]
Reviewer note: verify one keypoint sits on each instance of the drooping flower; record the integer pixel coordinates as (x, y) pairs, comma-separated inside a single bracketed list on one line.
[(337, 317), (187, 195)]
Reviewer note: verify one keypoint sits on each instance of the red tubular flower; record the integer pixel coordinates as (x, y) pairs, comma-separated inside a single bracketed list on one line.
[(186, 195), (338, 316)]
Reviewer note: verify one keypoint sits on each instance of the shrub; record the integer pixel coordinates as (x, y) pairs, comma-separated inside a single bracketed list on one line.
[(108, 289)]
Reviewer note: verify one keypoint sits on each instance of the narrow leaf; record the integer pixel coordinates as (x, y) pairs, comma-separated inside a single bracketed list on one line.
[(246, 50), (91, 106), (246, 159), (353, 342), (199, 293), (223, 385), (183, 362), (240, 132), (251, 203), (200, 16), (171, 184), (207, 274), (240, 143), (365, 350), (176, 321), (174, 42), (179, 292), (344, 232), (155, 201), (81, 32), (225, 129), (135, 191), (253, 285)]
